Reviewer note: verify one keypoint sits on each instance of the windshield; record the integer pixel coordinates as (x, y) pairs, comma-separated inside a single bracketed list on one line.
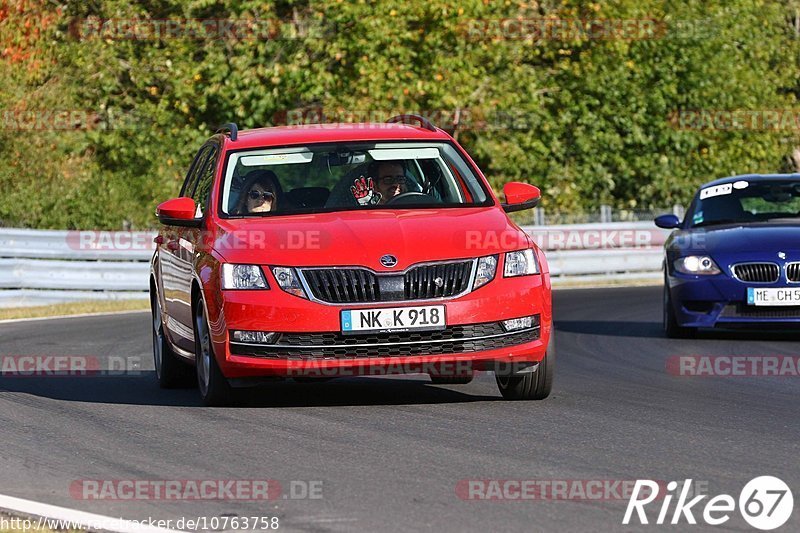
[(744, 201), (348, 176)]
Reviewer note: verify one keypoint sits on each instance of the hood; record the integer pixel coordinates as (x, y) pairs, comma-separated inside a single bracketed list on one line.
[(348, 238), (737, 242)]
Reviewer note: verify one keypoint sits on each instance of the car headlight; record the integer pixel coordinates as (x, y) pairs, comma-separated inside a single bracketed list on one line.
[(697, 265), (289, 281), (487, 267), (243, 277), (521, 263)]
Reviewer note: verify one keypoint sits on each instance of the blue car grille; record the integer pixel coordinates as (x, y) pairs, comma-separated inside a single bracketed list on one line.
[(761, 313), (757, 272), (793, 272)]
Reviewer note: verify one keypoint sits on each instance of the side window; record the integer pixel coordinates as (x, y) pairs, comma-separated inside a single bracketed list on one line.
[(191, 176), (205, 179)]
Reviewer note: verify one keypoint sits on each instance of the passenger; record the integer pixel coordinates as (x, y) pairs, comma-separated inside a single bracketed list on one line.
[(260, 193)]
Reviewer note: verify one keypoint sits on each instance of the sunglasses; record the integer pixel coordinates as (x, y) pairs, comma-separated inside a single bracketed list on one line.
[(266, 195), (392, 180)]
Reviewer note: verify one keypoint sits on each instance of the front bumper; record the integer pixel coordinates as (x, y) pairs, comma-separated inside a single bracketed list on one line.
[(721, 301), (311, 341)]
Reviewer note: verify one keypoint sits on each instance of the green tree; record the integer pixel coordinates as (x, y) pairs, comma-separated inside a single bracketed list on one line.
[(589, 118)]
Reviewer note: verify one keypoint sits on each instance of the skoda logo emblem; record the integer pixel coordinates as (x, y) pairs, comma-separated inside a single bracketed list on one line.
[(388, 261), (782, 255)]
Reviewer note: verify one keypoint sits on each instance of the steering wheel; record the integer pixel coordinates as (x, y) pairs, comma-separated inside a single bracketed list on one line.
[(410, 197)]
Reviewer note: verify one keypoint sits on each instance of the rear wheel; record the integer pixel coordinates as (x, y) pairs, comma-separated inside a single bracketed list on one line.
[(214, 388), (672, 329), (531, 385), (170, 371)]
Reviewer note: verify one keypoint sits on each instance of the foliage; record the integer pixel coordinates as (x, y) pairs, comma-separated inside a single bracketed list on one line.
[(590, 120)]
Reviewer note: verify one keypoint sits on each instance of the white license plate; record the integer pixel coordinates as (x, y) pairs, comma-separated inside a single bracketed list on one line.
[(393, 319), (773, 297)]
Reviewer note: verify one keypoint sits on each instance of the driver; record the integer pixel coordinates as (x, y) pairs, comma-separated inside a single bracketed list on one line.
[(389, 181)]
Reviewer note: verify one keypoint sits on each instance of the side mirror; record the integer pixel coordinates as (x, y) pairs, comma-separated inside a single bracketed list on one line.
[(520, 196), (179, 212), (668, 222)]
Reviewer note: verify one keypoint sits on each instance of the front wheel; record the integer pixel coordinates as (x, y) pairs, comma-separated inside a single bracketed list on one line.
[(214, 388), (531, 385), (672, 328)]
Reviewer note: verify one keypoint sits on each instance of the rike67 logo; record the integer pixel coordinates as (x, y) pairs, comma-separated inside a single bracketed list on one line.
[(765, 503)]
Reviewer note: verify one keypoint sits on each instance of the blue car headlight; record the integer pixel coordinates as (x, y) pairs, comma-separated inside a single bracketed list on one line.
[(697, 265)]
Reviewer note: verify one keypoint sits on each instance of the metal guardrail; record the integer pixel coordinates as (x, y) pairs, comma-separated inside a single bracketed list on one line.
[(38, 297), (45, 267), (82, 245), (591, 252), (55, 266), (73, 275)]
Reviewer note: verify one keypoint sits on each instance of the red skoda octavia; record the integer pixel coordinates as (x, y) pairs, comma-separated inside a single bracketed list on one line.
[(324, 251)]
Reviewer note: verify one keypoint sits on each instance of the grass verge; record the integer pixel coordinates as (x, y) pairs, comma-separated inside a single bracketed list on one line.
[(74, 308)]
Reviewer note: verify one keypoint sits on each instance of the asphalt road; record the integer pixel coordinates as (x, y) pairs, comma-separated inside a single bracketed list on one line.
[(390, 452)]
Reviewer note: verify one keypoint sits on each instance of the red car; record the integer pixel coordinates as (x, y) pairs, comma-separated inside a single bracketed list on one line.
[(324, 251)]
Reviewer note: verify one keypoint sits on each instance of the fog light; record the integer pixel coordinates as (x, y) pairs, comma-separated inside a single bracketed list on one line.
[(255, 337), (526, 322)]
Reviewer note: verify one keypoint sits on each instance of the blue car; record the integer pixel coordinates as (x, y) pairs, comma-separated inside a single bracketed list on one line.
[(734, 261)]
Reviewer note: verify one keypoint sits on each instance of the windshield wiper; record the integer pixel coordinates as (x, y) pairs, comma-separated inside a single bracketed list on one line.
[(787, 216), (718, 222)]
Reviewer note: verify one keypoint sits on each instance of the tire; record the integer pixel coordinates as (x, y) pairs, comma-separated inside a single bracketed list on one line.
[(452, 380), (672, 329), (531, 385), (171, 372), (215, 391)]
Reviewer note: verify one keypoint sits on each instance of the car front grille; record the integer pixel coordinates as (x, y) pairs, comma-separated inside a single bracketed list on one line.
[(750, 311), (333, 345), (793, 272), (343, 285), (437, 281), (757, 272), (360, 285)]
